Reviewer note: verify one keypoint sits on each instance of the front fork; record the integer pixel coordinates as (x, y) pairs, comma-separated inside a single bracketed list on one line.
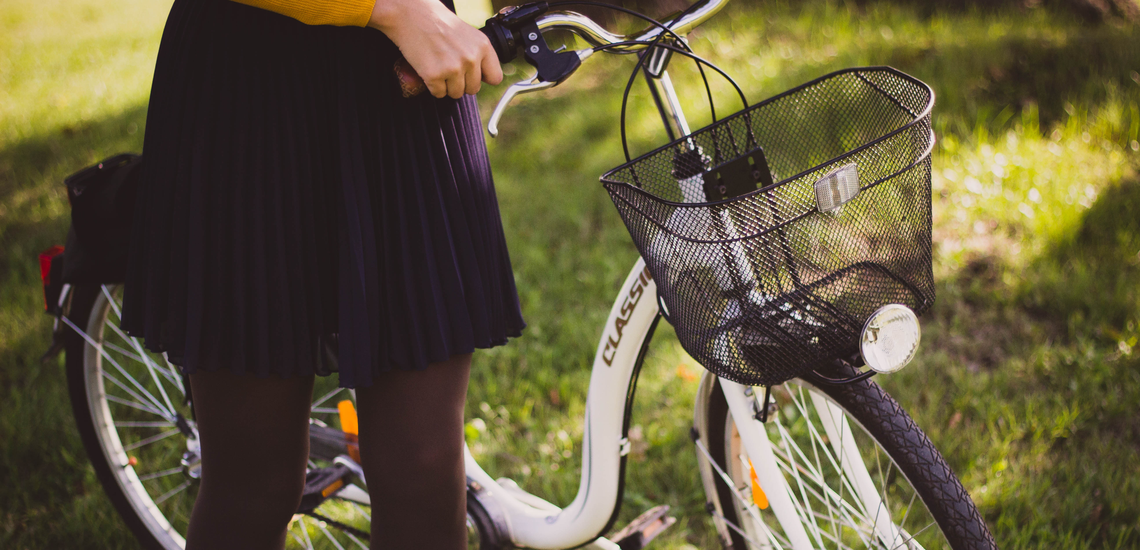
[(744, 407)]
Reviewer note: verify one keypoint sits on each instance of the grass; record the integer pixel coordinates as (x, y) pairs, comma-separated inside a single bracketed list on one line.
[(1029, 378)]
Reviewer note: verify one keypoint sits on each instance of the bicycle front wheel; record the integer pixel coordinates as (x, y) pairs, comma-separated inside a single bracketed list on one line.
[(859, 474)]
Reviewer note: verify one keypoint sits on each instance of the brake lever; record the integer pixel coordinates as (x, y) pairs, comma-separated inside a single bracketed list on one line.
[(532, 84), (526, 86)]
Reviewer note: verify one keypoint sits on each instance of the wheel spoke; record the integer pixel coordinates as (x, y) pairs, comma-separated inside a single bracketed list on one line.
[(162, 473), (816, 443), (151, 439), (324, 398), (886, 502), (134, 414), (298, 539), (102, 352), (845, 491), (172, 492), (131, 404), (357, 541), (361, 511), (787, 441), (167, 373), (910, 538), (741, 532), (796, 470), (909, 507), (845, 507), (150, 367), (142, 424), (151, 406), (308, 544), (123, 351), (788, 463), (750, 507), (328, 535), (836, 462)]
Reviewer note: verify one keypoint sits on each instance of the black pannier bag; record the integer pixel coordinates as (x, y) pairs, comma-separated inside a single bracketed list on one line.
[(102, 201)]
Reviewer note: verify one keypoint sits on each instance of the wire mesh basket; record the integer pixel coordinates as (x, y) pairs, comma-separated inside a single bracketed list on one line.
[(774, 234)]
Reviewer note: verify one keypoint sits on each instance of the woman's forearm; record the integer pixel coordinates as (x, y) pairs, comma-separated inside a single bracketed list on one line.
[(452, 57), (342, 13)]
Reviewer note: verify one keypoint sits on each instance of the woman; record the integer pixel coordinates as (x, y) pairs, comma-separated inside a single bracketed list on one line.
[(292, 197)]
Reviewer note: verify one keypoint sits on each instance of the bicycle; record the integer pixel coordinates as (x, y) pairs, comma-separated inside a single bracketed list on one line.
[(813, 463)]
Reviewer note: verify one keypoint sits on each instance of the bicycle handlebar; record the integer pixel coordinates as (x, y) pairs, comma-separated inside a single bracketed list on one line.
[(518, 29), (593, 33)]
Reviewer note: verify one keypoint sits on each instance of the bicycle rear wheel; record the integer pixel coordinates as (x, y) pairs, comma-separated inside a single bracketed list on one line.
[(135, 421), (859, 473)]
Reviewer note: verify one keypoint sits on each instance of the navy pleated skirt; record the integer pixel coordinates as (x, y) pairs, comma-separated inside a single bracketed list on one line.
[(291, 193)]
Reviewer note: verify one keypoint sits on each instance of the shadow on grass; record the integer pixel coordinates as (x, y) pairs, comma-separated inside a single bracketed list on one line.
[(30, 161), (1091, 280), (36, 215), (1060, 407), (1088, 11), (984, 77), (51, 499)]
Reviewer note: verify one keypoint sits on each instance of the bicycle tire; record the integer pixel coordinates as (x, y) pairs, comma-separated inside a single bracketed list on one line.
[(89, 309), (892, 431), (82, 300)]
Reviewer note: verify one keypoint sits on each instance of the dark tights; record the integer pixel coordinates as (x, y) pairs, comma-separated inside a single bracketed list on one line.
[(254, 435)]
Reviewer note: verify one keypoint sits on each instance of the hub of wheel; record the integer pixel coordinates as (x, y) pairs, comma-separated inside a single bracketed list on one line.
[(192, 459)]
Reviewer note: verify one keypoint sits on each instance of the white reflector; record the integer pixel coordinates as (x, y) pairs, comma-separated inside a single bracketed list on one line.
[(890, 338), (836, 188)]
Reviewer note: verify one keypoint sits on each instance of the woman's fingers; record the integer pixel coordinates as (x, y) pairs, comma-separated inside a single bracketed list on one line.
[(456, 86), (452, 57), (437, 88), (473, 79), (492, 72)]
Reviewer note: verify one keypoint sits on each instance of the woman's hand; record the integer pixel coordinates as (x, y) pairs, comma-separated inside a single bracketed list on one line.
[(451, 56)]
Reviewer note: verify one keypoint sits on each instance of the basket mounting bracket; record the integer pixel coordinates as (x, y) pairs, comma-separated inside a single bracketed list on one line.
[(738, 176)]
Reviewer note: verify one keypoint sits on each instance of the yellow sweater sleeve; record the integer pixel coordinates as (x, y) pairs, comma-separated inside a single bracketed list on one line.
[(342, 13)]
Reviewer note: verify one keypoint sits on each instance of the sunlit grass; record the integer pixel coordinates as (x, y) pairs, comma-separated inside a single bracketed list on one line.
[(1029, 376), (1027, 362)]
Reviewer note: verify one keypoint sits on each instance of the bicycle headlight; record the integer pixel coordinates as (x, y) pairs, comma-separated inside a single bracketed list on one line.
[(890, 338)]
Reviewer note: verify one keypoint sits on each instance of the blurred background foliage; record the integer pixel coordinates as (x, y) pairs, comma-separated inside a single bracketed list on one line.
[(1028, 379)]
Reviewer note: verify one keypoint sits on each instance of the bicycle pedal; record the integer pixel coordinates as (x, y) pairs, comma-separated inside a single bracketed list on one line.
[(644, 528), (322, 483)]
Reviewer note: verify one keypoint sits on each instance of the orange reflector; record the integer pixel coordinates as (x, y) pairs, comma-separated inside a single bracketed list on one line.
[(334, 487), (350, 427), (758, 495), (347, 417), (132, 461)]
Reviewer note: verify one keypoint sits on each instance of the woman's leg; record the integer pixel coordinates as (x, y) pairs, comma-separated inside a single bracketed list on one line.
[(411, 446), (255, 445)]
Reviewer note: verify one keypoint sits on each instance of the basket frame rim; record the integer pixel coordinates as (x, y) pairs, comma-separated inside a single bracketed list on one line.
[(921, 158), (607, 180)]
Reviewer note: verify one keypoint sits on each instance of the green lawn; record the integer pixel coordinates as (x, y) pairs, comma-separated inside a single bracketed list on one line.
[(1029, 376)]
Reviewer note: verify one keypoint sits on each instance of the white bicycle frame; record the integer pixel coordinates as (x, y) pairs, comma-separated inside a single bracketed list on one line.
[(530, 522)]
